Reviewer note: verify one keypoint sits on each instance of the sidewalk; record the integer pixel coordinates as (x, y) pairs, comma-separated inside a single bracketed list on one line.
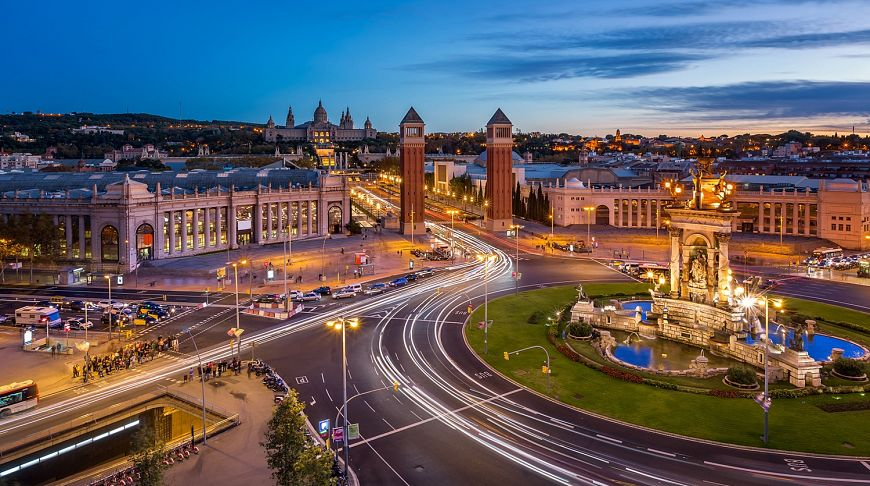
[(235, 456)]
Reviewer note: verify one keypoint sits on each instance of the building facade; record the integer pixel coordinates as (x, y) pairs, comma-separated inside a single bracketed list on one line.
[(129, 152), (114, 221), (837, 210), (319, 130)]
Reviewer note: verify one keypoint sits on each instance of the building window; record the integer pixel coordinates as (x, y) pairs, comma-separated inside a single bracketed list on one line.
[(188, 230), (200, 228), (166, 232), (212, 238), (224, 236), (88, 238), (109, 248), (848, 227), (833, 226), (176, 216)]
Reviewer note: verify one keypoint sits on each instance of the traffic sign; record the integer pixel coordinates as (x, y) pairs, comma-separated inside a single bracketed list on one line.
[(66, 326), (323, 427), (352, 431), (765, 404), (338, 434)]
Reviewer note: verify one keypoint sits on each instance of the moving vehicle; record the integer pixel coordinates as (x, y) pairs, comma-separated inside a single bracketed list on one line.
[(144, 320), (105, 304), (411, 277), (310, 296), (157, 314), (426, 272), (354, 287), (376, 288), (295, 294), (80, 305), (399, 282), (269, 299), (79, 323), (58, 301), (823, 256), (17, 397), (323, 290), (37, 316), (344, 294)]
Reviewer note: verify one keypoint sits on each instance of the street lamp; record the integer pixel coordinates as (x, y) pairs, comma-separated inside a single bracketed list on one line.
[(201, 379), (451, 212), (341, 324), (516, 228), (589, 210), (287, 239), (748, 302), (236, 275), (552, 224), (111, 307), (486, 259)]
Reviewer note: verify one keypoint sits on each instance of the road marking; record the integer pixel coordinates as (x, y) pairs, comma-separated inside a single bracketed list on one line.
[(368, 405), (436, 417), (322, 378), (561, 422), (327, 394), (313, 401), (661, 452), (785, 475), (867, 465), (653, 477), (609, 438), (301, 380), (388, 424)]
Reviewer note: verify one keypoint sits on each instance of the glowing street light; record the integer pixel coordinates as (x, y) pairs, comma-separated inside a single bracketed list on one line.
[(341, 324), (486, 259)]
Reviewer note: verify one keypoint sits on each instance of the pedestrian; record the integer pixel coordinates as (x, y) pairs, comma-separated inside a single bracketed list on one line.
[(190, 373), (184, 378)]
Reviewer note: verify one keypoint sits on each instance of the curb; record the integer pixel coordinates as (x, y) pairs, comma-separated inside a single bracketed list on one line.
[(648, 429)]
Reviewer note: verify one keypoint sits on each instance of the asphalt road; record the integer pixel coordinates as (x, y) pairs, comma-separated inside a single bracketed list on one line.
[(453, 421)]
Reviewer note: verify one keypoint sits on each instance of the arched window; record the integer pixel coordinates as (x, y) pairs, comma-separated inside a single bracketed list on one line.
[(145, 242), (109, 244)]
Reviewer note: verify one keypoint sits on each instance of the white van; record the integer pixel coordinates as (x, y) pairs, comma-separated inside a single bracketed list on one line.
[(355, 288), (37, 316)]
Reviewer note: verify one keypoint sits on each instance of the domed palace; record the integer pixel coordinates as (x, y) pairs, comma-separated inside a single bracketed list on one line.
[(319, 130)]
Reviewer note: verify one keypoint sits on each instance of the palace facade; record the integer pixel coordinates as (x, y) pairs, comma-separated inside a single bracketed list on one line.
[(319, 130), (114, 221)]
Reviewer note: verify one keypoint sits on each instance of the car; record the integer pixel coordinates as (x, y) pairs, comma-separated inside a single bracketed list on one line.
[(105, 304), (310, 296), (295, 294), (354, 287), (426, 272), (5, 319), (411, 277), (399, 282), (269, 299), (323, 290), (117, 318), (144, 320), (343, 294), (376, 288), (156, 314), (79, 323)]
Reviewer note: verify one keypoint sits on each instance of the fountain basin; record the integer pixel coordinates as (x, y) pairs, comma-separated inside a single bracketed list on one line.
[(661, 354), (819, 346)]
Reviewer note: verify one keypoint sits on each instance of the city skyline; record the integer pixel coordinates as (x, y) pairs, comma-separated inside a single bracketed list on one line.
[(646, 66)]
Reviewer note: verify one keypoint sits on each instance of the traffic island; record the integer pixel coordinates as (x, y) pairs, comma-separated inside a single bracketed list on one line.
[(698, 407)]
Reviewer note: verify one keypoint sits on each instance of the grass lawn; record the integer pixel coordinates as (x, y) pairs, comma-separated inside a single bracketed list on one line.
[(795, 424)]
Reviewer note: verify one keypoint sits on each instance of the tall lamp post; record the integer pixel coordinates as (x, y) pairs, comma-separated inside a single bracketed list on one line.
[(516, 228), (341, 324), (747, 302), (552, 224), (236, 275), (486, 259), (451, 212), (111, 306), (589, 210), (201, 380), (287, 239)]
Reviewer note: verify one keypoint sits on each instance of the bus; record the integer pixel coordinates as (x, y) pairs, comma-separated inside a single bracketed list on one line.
[(37, 316), (17, 397), (823, 256)]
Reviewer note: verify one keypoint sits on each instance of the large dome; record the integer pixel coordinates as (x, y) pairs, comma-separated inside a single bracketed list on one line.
[(320, 113)]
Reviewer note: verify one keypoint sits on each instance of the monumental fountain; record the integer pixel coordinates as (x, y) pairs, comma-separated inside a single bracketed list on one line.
[(701, 308)]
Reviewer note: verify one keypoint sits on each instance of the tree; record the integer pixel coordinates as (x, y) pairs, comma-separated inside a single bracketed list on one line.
[(148, 454), (293, 459)]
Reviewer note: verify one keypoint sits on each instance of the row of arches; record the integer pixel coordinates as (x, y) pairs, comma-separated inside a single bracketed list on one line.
[(110, 244)]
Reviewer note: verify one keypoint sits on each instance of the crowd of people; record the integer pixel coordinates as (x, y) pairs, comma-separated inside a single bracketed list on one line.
[(214, 369), (129, 356)]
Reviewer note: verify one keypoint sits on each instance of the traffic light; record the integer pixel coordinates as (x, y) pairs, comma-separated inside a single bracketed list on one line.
[(507, 356), (545, 370), (395, 386), (469, 309)]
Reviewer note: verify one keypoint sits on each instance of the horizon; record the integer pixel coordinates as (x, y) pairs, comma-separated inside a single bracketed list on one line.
[(675, 67)]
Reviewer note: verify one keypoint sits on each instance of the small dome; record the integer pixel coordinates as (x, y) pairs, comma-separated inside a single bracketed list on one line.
[(320, 113), (574, 183)]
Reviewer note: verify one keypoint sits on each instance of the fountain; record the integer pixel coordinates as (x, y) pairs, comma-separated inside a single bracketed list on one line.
[(700, 310)]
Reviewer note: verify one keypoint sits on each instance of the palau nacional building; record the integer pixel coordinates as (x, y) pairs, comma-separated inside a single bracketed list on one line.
[(111, 221)]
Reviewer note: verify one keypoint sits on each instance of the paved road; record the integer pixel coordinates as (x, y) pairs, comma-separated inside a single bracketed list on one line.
[(453, 421)]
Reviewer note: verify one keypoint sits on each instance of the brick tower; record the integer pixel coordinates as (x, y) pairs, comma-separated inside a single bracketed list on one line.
[(499, 173), (412, 146)]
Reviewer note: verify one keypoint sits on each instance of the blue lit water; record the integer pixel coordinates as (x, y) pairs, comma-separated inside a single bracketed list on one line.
[(819, 346), (661, 354), (645, 306)]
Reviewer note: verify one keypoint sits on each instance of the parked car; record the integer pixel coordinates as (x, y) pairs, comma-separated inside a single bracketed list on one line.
[(310, 296), (344, 294), (426, 272), (269, 299), (295, 294), (354, 287), (4, 319), (79, 323), (399, 282), (322, 290), (411, 277), (376, 288)]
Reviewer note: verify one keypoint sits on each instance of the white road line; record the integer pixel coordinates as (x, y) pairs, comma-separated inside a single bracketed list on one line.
[(784, 475), (653, 477), (561, 422), (608, 438), (661, 452), (435, 417), (327, 394), (322, 378), (368, 405), (388, 424), (866, 464)]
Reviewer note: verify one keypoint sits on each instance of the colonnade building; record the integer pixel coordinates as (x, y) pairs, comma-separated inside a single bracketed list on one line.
[(113, 221), (837, 210)]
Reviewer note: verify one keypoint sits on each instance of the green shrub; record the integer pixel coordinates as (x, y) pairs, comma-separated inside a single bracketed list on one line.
[(580, 329), (741, 375), (537, 317), (849, 367)]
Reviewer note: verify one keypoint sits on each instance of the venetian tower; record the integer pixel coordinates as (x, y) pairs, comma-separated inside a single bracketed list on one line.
[(412, 146)]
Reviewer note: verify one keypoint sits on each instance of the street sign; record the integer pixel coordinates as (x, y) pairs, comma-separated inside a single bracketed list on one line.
[(338, 434), (352, 431), (120, 280), (323, 427), (764, 404), (411, 264)]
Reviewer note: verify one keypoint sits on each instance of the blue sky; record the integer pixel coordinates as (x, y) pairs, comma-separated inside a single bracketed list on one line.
[(645, 66)]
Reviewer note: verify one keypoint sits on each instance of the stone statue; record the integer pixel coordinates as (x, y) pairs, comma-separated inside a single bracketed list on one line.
[(698, 270), (581, 294)]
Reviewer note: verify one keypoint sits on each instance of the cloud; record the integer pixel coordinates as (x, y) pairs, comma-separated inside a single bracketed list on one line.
[(812, 40), (758, 100), (567, 66)]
